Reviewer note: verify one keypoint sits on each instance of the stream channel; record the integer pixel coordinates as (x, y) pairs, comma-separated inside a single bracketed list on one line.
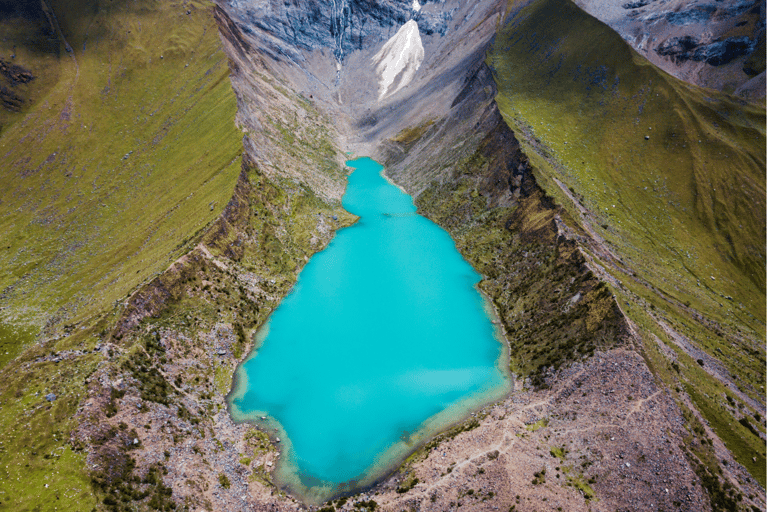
[(383, 342)]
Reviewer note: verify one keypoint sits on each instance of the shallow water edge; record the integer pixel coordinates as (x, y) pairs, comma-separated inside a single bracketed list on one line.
[(287, 475)]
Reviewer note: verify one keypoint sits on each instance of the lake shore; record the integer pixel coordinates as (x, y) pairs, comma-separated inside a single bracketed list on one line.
[(450, 406)]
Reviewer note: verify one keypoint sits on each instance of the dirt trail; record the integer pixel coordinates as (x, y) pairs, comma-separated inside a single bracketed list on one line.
[(587, 441)]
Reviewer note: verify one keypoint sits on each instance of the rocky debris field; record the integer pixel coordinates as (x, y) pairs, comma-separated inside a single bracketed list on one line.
[(600, 435)]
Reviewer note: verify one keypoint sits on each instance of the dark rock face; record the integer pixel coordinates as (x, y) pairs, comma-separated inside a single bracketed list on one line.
[(698, 14), (719, 44), (717, 53), (695, 14), (10, 100), (11, 76), (25, 9), (677, 46), (723, 52), (637, 5), (14, 73), (342, 25)]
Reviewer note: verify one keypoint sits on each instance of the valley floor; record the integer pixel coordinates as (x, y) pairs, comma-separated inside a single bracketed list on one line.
[(633, 389)]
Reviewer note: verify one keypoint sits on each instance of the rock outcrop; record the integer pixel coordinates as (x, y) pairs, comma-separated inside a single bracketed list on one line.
[(342, 26), (720, 45)]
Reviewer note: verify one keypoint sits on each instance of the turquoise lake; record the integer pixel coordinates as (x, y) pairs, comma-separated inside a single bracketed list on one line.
[(383, 341)]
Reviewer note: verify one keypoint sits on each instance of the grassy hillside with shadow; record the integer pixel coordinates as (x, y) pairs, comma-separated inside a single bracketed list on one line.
[(668, 183), (29, 55), (122, 151)]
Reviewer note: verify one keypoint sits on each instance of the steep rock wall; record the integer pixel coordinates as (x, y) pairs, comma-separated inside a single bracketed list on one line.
[(340, 25)]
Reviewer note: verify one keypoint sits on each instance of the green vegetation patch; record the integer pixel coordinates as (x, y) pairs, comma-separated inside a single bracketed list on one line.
[(533, 427), (748, 448), (39, 465), (152, 384), (408, 483), (117, 167), (410, 135), (558, 451)]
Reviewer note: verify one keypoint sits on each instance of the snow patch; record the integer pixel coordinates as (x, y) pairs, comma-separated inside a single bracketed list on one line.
[(400, 57), (416, 6)]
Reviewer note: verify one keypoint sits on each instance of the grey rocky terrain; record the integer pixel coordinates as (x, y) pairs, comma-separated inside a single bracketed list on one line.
[(720, 45)]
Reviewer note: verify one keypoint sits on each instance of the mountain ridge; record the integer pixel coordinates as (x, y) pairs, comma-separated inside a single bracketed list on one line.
[(720, 46), (603, 343)]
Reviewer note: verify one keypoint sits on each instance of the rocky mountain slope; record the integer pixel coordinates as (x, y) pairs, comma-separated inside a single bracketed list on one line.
[(719, 45), (632, 296)]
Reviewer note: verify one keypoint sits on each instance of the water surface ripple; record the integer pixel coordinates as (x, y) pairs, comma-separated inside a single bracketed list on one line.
[(383, 341)]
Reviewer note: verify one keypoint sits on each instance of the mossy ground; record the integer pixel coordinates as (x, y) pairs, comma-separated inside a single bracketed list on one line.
[(40, 467), (671, 178)]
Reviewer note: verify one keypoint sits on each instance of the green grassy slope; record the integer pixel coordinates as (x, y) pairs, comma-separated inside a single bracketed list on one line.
[(39, 469), (112, 165), (670, 180), (124, 152)]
